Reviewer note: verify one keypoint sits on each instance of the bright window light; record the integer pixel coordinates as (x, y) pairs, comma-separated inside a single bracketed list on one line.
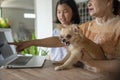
[(29, 15)]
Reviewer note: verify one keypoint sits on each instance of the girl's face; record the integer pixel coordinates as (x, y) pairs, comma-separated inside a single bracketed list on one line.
[(64, 14), (98, 8)]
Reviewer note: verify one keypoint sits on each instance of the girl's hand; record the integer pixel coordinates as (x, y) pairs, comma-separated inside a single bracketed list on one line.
[(20, 46)]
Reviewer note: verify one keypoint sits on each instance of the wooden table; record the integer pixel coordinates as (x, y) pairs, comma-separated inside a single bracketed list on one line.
[(47, 73)]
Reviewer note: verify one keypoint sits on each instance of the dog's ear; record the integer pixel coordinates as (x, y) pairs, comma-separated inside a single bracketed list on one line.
[(76, 29)]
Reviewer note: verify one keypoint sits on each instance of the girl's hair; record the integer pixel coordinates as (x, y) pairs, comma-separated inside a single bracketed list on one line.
[(116, 7), (71, 3)]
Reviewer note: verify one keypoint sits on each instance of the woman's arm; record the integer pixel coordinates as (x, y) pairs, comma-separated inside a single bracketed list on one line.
[(46, 42), (112, 65)]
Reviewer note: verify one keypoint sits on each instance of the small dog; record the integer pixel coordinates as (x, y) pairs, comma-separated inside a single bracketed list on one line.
[(75, 41)]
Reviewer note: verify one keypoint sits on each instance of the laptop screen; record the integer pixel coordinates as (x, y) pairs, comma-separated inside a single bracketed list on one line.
[(7, 52), (5, 49)]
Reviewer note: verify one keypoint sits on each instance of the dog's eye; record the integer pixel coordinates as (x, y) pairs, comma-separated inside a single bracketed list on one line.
[(68, 36), (61, 37)]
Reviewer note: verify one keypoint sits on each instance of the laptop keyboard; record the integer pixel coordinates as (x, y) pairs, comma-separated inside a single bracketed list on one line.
[(21, 60)]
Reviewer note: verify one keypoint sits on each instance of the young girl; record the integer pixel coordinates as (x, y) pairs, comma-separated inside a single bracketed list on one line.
[(66, 14)]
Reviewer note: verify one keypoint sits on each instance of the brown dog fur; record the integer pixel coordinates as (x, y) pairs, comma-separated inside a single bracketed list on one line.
[(75, 41)]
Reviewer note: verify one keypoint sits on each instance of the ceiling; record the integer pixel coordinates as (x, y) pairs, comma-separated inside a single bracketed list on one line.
[(26, 4)]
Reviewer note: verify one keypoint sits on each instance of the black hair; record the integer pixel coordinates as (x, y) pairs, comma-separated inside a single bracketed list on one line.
[(116, 7), (71, 3)]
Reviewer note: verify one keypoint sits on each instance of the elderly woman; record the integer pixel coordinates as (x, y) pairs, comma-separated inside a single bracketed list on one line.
[(105, 31)]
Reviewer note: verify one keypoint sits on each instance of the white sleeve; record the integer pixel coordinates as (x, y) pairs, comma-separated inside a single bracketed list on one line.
[(57, 54)]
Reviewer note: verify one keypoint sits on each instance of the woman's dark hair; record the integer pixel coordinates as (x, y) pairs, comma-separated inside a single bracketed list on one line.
[(71, 3), (116, 7)]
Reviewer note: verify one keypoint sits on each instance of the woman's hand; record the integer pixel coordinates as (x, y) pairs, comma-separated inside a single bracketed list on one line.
[(20, 46)]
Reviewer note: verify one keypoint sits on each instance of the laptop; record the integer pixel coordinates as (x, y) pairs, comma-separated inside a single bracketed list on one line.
[(9, 57)]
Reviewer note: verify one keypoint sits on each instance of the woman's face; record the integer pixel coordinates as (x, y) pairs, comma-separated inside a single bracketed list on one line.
[(97, 8), (64, 14)]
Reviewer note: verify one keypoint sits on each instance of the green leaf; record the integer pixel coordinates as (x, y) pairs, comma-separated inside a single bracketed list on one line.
[(33, 50)]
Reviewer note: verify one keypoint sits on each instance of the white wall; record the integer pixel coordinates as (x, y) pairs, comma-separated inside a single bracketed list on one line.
[(44, 19), (24, 4)]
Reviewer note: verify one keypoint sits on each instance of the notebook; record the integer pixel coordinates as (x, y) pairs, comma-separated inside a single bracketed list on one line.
[(9, 57)]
